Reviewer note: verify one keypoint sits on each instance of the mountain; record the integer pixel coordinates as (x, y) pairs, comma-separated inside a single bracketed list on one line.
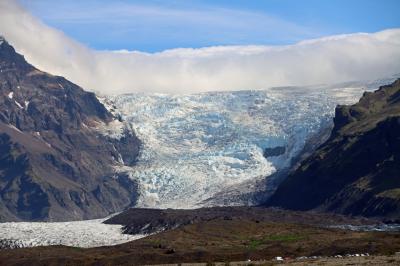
[(357, 170), (55, 162)]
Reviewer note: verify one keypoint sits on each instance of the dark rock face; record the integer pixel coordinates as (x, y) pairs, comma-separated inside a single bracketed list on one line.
[(357, 170), (275, 151), (54, 164)]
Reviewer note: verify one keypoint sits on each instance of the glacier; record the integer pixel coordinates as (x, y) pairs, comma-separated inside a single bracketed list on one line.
[(197, 145), (85, 234)]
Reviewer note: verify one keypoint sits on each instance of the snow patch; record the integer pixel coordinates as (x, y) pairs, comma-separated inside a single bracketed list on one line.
[(11, 95), (13, 127), (18, 104), (61, 86), (114, 129)]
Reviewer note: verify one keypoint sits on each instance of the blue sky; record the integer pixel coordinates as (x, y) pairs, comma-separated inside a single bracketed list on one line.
[(158, 25)]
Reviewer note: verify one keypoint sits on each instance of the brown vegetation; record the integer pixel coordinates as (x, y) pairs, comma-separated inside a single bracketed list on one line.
[(215, 240)]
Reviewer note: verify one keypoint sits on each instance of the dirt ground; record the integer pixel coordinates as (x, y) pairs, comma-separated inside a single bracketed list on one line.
[(370, 260)]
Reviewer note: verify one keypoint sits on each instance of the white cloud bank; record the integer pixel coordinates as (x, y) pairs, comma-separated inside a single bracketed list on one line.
[(332, 59)]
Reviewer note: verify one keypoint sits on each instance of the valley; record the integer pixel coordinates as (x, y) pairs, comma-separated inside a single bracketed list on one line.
[(197, 146), (297, 174)]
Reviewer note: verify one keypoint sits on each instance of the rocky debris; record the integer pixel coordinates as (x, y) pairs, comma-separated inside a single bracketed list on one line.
[(150, 221), (10, 244)]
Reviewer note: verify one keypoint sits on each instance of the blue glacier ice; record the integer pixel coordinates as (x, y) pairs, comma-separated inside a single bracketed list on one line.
[(196, 145)]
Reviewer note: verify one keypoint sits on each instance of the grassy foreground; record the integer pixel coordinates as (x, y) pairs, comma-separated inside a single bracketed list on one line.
[(218, 240)]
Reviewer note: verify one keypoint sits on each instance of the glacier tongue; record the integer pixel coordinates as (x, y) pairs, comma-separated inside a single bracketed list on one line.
[(87, 233), (196, 145)]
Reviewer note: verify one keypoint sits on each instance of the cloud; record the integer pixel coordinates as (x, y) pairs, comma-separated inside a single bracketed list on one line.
[(327, 60)]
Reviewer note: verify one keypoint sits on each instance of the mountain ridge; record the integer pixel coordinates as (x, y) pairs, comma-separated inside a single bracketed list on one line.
[(55, 164)]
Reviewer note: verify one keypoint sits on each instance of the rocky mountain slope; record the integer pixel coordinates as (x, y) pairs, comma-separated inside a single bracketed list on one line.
[(54, 162), (357, 170)]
